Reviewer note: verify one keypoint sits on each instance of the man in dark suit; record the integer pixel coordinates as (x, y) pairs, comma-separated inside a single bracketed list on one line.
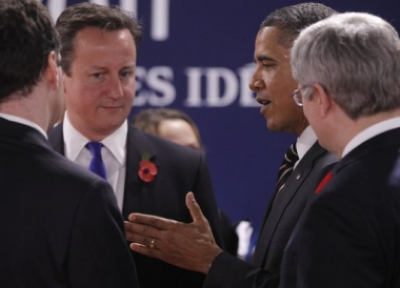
[(298, 177), (348, 69), (57, 220), (148, 174)]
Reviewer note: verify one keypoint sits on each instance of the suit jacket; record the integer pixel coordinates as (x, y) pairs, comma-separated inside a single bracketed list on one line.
[(349, 236), (57, 220), (279, 221), (180, 170)]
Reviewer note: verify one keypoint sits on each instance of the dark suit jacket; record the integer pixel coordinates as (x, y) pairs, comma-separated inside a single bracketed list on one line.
[(349, 236), (180, 170), (57, 220), (279, 221)]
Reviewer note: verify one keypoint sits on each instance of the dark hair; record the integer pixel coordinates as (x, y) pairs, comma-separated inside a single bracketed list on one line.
[(292, 19), (77, 17), (27, 36), (148, 120)]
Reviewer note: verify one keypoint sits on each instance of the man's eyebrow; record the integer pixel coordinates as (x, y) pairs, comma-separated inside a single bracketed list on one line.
[(97, 67), (264, 58), (132, 66)]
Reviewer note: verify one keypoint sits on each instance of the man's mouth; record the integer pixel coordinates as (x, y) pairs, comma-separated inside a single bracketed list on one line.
[(264, 102), (112, 106)]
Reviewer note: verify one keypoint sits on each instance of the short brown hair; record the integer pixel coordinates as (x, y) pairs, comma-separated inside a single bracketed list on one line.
[(77, 17)]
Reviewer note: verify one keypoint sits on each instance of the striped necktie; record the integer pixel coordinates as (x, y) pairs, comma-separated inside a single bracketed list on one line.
[(286, 167)]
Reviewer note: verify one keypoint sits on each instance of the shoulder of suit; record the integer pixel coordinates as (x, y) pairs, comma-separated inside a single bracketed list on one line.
[(321, 155), (328, 159)]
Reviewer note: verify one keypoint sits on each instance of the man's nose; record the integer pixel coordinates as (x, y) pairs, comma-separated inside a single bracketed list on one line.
[(115, 89)]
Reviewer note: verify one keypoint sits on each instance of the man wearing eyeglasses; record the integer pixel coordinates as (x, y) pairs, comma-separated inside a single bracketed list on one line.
[(349, 233)]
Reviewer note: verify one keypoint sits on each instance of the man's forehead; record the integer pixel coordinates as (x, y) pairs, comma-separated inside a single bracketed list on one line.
[(268, 46)]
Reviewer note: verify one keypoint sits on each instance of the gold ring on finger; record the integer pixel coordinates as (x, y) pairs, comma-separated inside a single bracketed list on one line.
[(151, 245)]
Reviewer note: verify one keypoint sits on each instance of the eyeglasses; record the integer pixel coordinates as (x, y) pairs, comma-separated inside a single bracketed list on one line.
[(296, 95)]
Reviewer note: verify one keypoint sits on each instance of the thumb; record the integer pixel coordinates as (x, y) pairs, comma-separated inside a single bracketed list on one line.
[(194, 208)]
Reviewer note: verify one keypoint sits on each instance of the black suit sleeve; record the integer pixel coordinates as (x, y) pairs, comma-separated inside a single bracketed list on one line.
[(98, 244), (228, 271)]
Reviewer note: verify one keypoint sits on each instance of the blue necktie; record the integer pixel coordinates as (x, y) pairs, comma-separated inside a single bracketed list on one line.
[(97, 164)]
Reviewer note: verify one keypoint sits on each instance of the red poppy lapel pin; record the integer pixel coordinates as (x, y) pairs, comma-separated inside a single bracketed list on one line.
[(324, 181), (147, 169)]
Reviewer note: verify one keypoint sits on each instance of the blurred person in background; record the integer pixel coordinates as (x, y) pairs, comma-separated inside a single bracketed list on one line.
[(171, 124)]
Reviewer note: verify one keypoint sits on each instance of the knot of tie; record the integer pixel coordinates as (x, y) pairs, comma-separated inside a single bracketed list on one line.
[(97, 165), (287, 166)]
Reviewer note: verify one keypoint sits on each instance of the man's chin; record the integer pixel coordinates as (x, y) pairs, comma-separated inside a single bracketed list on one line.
[(272, 127)]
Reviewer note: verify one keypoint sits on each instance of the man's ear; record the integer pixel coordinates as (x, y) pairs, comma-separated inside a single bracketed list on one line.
[(323, 99), (52, 71)]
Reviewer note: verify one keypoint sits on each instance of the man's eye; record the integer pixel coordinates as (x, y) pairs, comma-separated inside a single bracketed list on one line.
[(267, 65), (97, 75), (126, 74)]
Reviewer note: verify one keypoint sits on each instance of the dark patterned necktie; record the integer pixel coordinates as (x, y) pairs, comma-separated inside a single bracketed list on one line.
[(286, 167), (97, 165)]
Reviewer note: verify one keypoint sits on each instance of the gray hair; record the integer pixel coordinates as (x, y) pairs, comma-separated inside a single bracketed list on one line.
[(355, 57)]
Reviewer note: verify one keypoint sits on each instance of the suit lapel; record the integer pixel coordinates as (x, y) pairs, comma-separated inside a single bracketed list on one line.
[(277, 207), (137, 144)]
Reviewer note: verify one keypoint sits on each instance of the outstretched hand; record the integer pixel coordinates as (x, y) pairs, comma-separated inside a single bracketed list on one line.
[(189, 246)]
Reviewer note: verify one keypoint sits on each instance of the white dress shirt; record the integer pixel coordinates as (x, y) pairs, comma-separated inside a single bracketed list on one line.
[(23, 121), (370, 132), (304, 142), (113, 154)]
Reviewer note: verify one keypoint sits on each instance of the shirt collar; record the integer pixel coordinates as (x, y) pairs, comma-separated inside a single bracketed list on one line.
[(116, 142), (370, 132), (75, 141), (23, 121), (305, 141)]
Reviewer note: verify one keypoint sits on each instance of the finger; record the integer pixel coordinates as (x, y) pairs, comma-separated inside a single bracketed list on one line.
[(133, 230), (135, 238), (129, 226), (142, 240), (194, 208), (154, 253), (151, 220)]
